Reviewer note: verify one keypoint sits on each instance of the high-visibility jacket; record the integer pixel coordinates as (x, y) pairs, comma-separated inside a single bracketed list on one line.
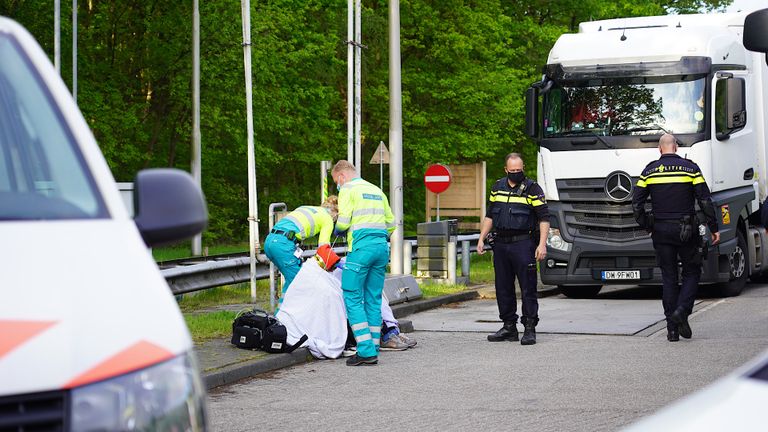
[(364, 213), (516, 210), (673, 184), (307, 222)]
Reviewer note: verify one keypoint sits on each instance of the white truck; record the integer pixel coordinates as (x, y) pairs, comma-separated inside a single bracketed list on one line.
[(91, 337), (608, 93)]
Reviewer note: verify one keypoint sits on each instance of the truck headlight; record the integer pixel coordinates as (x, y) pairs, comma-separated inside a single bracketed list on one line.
[(168, 396), (555, 241)]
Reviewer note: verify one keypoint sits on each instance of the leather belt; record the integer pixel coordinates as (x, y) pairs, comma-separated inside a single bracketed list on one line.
[(290, 235), (512, 239)]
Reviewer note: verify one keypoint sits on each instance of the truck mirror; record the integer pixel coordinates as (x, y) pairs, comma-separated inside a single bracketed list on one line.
[(532, 112), (756, 32), (169, 206), (731, 112)]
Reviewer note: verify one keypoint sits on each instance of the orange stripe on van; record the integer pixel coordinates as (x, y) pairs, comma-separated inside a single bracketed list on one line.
[(14, 333), (137, 356)]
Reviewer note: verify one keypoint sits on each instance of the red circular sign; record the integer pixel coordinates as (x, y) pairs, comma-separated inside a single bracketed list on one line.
[(437, 178)]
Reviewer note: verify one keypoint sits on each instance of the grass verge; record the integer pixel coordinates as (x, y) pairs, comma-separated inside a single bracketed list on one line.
[(185, 251), (210, 325)]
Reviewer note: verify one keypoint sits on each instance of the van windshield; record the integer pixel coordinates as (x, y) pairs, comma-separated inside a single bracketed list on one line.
[(626, 106), (42, 174)]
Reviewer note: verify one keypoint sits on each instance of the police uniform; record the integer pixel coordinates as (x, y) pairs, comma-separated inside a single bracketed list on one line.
[(282, 244), (516, 213), (365, 214), (673, 183)]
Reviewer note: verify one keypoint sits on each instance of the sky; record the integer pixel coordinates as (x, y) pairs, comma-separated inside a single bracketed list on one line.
[(747, 5)]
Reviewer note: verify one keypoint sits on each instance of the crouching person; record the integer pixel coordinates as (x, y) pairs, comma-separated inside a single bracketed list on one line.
[(282, 245)]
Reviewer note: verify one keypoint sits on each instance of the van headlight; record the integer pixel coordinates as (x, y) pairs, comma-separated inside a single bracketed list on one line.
[(168, 396), (555, 241)]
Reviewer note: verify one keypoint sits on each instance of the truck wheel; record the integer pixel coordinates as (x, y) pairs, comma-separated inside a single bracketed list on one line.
[(739, 265), (580, 292)]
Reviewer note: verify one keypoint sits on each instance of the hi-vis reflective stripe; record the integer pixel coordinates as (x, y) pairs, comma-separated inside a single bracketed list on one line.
[(377, 341), (343, 220), (368, 211), (667, 179), (363, 338), (369, 225), (535, 201), (375, 329), (359, 326), (509, 199), (301, 217)]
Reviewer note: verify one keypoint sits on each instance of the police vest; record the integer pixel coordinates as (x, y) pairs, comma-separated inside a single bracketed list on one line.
[(512, 209)]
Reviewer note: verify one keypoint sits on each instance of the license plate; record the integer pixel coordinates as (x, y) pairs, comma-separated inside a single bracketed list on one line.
[(620, 274)]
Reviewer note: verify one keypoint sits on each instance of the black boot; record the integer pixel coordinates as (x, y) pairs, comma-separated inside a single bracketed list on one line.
[(506, 333), (679, 317), (529, 335), (673, 335)]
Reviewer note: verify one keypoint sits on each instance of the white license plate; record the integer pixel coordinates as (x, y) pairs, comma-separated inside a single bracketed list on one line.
[(621, 274)]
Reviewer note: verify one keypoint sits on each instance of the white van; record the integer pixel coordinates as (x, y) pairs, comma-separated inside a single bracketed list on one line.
[(91, 337)]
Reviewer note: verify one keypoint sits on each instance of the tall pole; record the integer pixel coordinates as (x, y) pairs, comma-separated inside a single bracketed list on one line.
[(395, 139), (358, 85), (74, 50), (197, 241), (57, 35), (252, 195), (350, 81)]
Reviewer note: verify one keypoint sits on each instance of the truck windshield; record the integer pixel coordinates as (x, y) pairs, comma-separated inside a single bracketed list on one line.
[(627, 106), (42, 174)]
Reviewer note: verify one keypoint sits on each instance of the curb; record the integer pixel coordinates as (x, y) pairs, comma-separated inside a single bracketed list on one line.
[(236, 372), (233, 373)]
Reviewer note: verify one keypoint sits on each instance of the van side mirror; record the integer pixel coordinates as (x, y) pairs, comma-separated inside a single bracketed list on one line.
[(756, 31), (169, 206), (532, 112), (730, 107)]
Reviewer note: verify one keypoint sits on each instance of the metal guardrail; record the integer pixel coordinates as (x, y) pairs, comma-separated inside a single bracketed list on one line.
[(186, 278)]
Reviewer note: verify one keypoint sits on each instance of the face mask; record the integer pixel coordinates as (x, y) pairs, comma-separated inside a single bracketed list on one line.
[(516, 177)]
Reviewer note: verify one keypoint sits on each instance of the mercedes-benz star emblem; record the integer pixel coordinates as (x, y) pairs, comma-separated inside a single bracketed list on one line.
[(618, 186)]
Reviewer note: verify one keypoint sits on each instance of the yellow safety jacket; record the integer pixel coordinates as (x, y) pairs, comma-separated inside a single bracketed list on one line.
[(309, 221), (364, 213)]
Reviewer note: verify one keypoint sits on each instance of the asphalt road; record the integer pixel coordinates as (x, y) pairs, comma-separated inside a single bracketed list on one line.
[(599, 365)]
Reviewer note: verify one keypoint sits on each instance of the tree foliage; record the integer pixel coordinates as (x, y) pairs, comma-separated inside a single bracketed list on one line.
[(465, 67)]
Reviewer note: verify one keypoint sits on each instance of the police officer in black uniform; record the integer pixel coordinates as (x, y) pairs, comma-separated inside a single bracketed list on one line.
[(673, 182), (518, 215)]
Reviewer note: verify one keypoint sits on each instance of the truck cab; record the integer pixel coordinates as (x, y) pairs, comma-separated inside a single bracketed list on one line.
[(607, 95)]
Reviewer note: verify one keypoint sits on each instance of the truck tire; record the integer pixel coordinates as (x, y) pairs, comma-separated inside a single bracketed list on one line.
[(739, 268), (580, 291)]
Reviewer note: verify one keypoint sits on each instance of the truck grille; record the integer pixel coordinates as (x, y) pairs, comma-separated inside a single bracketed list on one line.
[(589, 212), (36, 412)]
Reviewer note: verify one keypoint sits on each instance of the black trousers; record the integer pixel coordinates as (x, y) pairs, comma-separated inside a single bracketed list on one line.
[(515, 261), (669, 247)]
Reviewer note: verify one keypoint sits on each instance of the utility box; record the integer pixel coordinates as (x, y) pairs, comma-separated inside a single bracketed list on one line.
[(436, 251)]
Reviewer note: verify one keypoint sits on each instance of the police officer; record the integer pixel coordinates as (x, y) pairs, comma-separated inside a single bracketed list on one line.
[(365, 215), (282, 243), (672, 183), (517, 213)]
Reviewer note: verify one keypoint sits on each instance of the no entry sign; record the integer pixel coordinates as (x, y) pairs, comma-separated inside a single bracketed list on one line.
[(437, 178)]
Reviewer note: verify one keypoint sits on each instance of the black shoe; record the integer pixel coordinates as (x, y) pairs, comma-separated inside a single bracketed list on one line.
[(529, 334), (506, 333), (673, 335), (679, 318), (357, 360)]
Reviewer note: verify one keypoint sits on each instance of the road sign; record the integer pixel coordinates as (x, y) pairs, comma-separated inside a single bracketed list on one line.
[(437, 178), (381, 155)]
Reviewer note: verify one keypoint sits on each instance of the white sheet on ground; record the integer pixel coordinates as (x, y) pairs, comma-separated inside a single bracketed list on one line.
[(314, 305)]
